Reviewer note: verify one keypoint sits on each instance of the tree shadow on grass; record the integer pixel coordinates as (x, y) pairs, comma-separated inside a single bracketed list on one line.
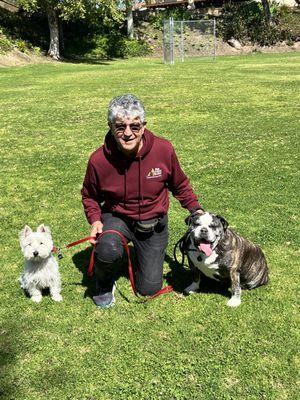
[(86, 60)]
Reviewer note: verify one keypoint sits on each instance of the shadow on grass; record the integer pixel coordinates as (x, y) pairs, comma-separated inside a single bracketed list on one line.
[(86, 60), (178, 276), (7, 359), (81, 261)]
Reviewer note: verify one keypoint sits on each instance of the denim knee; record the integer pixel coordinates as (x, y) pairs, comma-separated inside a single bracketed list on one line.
[(109, 249)]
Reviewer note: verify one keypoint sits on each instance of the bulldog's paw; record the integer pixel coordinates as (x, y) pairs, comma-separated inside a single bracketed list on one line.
[(193, 288), (235, 301)]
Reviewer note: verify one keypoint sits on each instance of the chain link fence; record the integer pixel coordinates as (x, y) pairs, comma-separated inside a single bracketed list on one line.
[(186, 39)]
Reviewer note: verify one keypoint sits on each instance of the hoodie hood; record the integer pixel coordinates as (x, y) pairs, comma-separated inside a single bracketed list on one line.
[(112, 151)]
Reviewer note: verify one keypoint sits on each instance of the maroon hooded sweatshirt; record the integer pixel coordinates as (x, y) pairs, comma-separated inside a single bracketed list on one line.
[(136, 187)]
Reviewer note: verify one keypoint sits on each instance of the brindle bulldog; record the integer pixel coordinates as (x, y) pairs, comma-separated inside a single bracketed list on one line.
[(216, 251)]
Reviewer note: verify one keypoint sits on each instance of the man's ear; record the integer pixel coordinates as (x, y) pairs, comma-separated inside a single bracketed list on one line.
[(223, 222)]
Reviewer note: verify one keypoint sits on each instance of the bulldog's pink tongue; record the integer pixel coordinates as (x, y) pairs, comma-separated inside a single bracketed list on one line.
[(205, 248)]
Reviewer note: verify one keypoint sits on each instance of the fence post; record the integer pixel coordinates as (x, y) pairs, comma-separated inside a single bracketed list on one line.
[(181, 41), (171, 41), (215, 40)]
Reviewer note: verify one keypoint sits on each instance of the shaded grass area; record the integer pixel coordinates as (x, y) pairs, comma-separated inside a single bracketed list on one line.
[(235, 127)]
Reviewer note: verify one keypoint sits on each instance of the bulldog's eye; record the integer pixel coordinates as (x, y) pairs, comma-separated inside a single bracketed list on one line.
[(213, 226)]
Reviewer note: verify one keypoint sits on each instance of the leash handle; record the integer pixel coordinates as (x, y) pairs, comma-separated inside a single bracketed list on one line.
[(85, 239)]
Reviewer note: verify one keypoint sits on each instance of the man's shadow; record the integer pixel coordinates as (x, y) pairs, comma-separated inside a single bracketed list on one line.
[(179, 276)]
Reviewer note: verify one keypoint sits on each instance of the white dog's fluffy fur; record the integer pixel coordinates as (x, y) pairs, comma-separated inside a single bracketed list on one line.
[(40, 267)]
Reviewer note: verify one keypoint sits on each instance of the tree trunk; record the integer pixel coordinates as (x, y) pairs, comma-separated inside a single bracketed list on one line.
[(129, 22), (267, 11), (61, 37), (54, 34)]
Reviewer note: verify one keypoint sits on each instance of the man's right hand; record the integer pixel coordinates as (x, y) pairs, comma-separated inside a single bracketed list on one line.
[(97, 227)]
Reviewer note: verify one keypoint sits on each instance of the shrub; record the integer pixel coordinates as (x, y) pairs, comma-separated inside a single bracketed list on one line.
[(288, 21), (5, 44), (107, 46), (133, 48), (22, 45), (178, 13), (246, 22)]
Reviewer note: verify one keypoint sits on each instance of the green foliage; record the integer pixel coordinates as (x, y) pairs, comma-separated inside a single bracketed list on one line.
[(133, 48), (107, 47), (178, 13), (246, 22), (5, 43), (22, 45), (107, 10), (288, 22)]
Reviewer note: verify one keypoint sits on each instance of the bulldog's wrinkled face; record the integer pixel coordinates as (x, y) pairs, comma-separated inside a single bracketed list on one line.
[(206, 231)]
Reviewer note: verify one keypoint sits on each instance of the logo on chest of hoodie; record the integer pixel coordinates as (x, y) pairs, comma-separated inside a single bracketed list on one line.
[(154, 173)]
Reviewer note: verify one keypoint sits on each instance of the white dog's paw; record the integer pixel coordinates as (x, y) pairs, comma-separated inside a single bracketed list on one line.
[(56, 297), (37, 298), (192, 288), (234, 301)]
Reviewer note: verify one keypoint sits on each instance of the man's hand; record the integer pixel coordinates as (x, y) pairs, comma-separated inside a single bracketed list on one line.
[(97, 227), (200, 211)]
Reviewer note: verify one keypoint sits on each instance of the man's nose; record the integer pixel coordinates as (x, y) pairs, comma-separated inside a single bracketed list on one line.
[(127, 130)]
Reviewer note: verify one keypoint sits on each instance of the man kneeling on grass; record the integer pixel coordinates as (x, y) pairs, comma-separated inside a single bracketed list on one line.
[(126, 189)]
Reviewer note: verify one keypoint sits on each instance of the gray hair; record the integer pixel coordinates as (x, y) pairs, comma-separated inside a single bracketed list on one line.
[(125, 106)]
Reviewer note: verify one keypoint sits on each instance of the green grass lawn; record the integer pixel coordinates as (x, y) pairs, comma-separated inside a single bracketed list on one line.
[(235, 126)]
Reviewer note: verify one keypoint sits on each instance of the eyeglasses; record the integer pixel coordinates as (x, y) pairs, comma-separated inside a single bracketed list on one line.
[(120, 128)]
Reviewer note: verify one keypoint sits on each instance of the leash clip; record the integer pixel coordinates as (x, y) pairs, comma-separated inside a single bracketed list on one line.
[(59, 253)]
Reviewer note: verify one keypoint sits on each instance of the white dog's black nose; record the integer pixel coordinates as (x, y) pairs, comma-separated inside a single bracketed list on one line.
[(35, 253)]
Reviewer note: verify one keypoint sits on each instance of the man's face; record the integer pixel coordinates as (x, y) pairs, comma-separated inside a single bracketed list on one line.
[(128, 134)]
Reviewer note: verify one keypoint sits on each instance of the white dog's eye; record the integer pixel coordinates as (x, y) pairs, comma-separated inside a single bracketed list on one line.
[(41, 243)]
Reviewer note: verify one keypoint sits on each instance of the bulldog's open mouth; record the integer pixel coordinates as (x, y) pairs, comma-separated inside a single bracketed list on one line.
[(204, 246)]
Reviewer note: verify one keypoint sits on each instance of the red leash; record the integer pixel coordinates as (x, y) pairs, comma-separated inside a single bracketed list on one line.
[(164, 290)]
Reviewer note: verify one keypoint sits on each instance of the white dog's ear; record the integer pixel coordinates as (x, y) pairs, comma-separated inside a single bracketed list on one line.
[(43, 229), (25, 232)]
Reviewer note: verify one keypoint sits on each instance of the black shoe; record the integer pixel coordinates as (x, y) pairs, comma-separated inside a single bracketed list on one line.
[(105, 298)]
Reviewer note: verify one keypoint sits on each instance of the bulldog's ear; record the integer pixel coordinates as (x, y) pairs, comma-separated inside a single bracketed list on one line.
[(192, 218), (223, 222), (188, 220)]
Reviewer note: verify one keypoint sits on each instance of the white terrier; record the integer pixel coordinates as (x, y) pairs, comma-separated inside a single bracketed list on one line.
[(40, 267)]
